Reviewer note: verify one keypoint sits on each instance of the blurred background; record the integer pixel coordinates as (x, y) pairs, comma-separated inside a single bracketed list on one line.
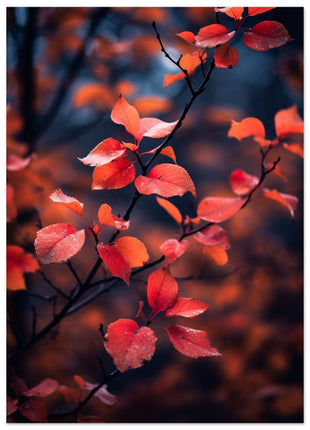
[(65, 70)]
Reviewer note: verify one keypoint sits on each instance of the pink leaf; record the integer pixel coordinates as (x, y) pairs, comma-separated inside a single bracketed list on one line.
[(128, 344), (191, 342), (162, 290), (70, 202), (102, 394), (173, 249), (106, 151), (11, 405), (287, 200), (186, 307), (242, 183), (15, 163), (58, 242), (44, 389), (213, 35), (213, 235), (155, 128), (167, 180), (218, 209)]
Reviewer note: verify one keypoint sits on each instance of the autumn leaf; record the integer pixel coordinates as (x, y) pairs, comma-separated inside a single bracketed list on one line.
[(295, 148), (43, 389), (226, 56), (155, 128), (70, 202), (173, 249), (11, 209), (246, 128), (34, 410), (167, 180), (162, 290), (114, 261), (15, 163), (106, 151), (127, 115), (213, 235), (172, 210), (171, 79), (186, 307), (213, 35), (252, 11), (218, 209), (114, 175), (266, 35), (216, 253), (232, 12), (18, 263), (242, 183), (104, 396), (288, 121), (58, 242), (188, 36), (133, 251), (191, 342), (11, 405), (94, 94), (287, 200), (83, 419), (106, 217), (128, 344)]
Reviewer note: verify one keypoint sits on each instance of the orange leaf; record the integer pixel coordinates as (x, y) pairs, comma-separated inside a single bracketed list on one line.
[(104, 152), (133, 251), (217, 253), (11, 209), (170, 79), (171, 209), (116, 174), (232, 12), (58, 242), (127, 115), (114, 261), (190, 342), (218, 209), (266, 35), (252, 11), (288, 121), (246, 128), (70, 202), (97, 95), (186, 307), (188, 36), (189, 63), (265, 142), (148, 105), (129, 345), (162, 290), (242, 183), (296, 148), (226, 56), (173, 249), (18, 263), (287, 200), (169, 152), (167, 180), (105, 217), (213, 235), (213, 35)]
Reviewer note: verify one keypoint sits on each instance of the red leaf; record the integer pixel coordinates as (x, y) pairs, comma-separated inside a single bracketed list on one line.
[(173, 249), (18, 263), (193, 343), (218, 209), (116, 174), (252, 11), (288, 121), (213, 35), (266, 35), (213, 235), (129, 345), (188, 36), (140, 313), (11, 405), (155, 128), (167, 180), (295, 148), (102, 394), (133, 251), (34, 410), (172, 210), (287, 200), (233, 12), (242, 183), (217, 254), (127, 115), (106, 151), (44, 389), (162, 290), (11, 209), (186, 307), (105, 217), (114, 261), (226, 56), (70, 202), (246, 128), (58, 242)]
